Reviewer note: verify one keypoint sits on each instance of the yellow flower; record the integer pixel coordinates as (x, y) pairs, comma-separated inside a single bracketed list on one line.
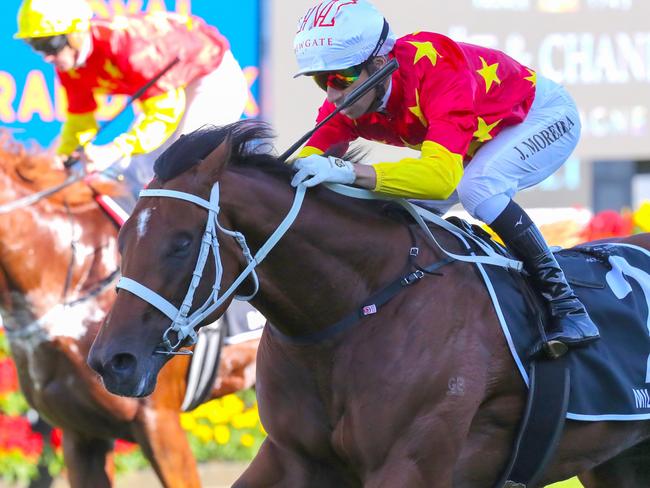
[(245, 420), (219, 416), (247, 440), (204, 411), (642, 217), (203, 432), (187, 421), (221, 434), (232, 404)]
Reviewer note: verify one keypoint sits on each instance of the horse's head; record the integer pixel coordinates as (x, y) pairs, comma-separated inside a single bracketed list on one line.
[(45, 253), (175, 255)]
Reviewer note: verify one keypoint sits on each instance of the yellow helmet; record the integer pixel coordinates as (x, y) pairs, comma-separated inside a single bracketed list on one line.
[(43, 18)]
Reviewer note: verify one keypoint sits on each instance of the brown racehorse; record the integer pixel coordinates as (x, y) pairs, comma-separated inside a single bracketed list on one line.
[(373, 406), (63, 250)]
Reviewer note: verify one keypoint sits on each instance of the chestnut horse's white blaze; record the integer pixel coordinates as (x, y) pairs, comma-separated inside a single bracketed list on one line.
[(143, 220)]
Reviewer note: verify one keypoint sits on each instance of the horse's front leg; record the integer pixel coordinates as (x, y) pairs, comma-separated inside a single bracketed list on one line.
[(165, 445), (89, 460), (274, 467), (422, 457)]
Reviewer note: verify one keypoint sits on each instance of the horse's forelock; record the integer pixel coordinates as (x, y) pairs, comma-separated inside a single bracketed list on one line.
[(249, 139)]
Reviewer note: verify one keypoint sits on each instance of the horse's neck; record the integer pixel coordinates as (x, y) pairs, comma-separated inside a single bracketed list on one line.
[(335, 255), (49, 253)]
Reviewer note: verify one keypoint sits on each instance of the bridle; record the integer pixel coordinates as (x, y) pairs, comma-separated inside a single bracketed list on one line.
[(184, 324), (38, 196)]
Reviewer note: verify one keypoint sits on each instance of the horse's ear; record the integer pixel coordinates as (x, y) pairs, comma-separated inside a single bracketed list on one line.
[(213, 164)]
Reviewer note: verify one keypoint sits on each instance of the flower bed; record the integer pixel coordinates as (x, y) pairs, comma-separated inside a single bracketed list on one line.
[(227, 428)]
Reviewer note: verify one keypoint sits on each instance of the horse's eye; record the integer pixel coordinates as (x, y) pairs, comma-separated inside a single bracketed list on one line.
[(180, 246)]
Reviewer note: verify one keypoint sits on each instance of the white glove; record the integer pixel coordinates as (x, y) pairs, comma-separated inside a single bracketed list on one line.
[(99, 158), (315, 169)]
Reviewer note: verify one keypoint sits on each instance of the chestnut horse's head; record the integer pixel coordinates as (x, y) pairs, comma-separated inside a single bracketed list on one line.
[(178, 257)]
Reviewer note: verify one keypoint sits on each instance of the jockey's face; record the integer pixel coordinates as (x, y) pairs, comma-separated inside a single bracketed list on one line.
[(64, 60), (62, 51), (361, 106)]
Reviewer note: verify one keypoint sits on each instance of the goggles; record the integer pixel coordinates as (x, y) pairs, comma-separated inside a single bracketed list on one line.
[(340, 79), (49, 46)]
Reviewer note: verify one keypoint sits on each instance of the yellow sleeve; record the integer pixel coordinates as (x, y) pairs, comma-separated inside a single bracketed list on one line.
[(159, 119), (433, 176), (77, 130), (308, 151)]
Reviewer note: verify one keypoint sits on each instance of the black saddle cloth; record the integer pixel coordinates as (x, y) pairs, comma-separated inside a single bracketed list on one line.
[(610, 379)]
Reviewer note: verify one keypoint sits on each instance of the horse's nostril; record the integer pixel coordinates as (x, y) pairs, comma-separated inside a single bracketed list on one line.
[(95, 364), (123, 364)]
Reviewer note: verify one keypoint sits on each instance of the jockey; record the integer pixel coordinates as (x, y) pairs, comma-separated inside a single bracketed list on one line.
[(119, 56), (485, 126)]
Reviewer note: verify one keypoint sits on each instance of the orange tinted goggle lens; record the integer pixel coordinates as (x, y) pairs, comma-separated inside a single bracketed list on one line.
[(339, 80)]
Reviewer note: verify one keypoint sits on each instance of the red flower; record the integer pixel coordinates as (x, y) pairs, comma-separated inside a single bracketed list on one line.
[(608, 223), (8, 376), (124, 447), (17, 433), (56, 438)]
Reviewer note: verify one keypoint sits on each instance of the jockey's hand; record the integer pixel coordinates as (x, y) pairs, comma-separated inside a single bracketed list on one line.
[(58, 161), (99, 158), (315, 169)]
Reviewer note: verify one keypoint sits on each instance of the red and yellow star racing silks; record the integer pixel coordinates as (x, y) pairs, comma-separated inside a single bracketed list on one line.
[(446, 99), (126, 53)]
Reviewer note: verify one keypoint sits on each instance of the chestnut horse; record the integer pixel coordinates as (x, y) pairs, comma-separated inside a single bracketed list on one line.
[(62, 250), (376, 405)]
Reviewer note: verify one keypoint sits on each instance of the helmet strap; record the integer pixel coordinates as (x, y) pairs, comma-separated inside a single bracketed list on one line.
[(81, 42), (380, 89), (371, 67)]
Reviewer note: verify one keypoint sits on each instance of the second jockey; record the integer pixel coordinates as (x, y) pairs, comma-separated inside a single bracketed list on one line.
[(120, 55), (485, 125)]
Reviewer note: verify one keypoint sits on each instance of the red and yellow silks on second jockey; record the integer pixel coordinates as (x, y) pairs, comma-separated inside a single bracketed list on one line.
[(126, 53), (446, 99)]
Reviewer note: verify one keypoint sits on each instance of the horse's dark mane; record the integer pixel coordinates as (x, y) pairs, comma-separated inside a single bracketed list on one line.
[(250, 140), (251, 147)]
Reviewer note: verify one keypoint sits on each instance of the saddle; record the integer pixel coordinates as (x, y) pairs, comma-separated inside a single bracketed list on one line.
[(607, 380)]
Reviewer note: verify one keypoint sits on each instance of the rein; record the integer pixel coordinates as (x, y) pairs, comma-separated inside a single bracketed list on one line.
[(81, 175), (36, 197), (184, 325), (36, 325)]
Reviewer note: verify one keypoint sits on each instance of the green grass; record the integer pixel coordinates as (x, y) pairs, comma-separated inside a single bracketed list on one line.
[(572, 483)]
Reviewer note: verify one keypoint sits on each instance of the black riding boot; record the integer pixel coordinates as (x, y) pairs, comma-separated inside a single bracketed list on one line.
[(570, 324)]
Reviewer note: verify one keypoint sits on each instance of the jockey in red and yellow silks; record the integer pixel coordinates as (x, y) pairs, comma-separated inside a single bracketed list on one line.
[(126, 53), (119, 56), (436, 108), (485, 125)]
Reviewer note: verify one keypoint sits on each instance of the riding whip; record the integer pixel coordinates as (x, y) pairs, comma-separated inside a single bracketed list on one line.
[(372, 81)]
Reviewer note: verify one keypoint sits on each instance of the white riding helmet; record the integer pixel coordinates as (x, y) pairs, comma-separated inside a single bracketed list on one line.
[(340, 34)]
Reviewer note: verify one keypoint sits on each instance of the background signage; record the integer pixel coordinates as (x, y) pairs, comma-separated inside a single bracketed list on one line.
[(32, 103)]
